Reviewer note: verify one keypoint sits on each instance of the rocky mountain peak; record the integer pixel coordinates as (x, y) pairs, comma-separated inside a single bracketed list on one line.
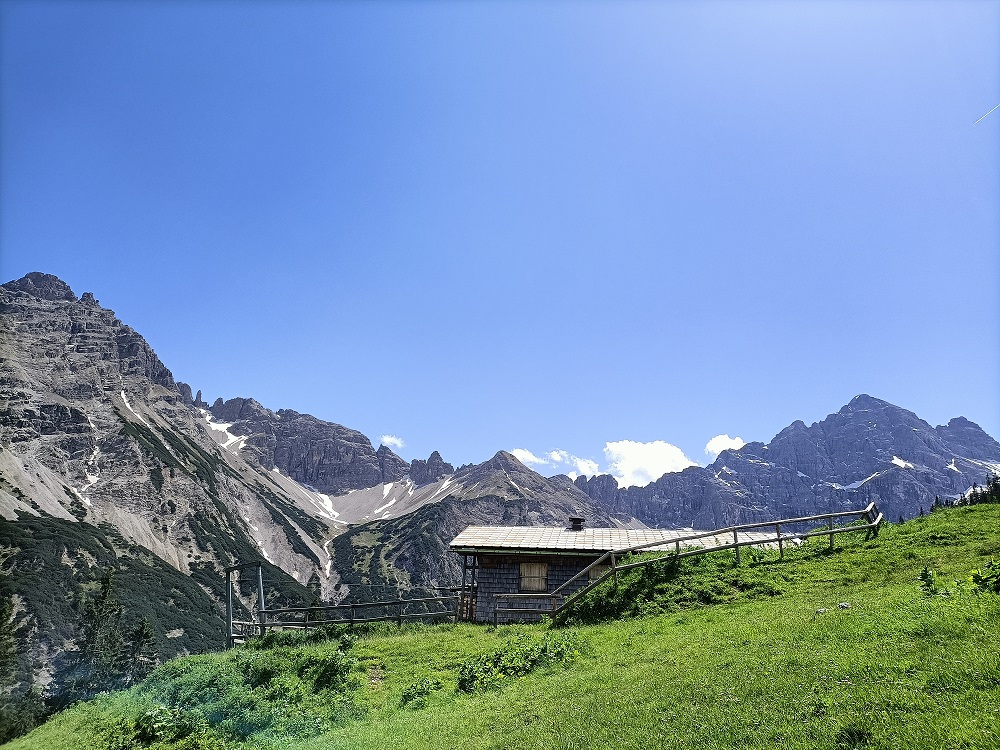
[(43, 286), (431, 470), (863, 402), (236, 409), (969, 439), (393, 467)]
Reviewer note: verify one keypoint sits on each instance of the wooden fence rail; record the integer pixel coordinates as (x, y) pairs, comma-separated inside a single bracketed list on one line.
[(554, 601), (304, 618)]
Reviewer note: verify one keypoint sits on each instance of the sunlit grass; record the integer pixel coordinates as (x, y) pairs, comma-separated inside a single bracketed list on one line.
[(761, 668)]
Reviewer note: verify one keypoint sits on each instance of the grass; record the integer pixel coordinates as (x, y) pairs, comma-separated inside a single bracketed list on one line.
[(761, 666)]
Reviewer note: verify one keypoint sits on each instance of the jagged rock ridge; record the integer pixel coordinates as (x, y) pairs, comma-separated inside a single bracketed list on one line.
[(870, 450), (329, 457)]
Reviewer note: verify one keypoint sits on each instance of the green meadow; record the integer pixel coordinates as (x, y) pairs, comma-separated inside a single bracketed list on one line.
[(891, 642)]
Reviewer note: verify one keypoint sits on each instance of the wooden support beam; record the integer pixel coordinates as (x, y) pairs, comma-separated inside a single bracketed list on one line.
[(229, 609), (261, 606)]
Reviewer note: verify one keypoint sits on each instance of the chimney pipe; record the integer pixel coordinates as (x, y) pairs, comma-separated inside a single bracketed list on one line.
[(576, 523)]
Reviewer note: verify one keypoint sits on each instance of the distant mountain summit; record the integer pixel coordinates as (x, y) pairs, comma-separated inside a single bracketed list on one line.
[(868, 450)]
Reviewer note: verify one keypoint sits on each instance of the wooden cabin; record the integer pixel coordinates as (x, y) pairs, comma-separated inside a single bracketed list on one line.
[(526, 559)]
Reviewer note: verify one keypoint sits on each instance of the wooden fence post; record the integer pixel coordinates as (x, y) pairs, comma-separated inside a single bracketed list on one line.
[(260, 598), (399, 615), (781, 544), (615, 569), (229, 608), (736, 541), (830, 525)]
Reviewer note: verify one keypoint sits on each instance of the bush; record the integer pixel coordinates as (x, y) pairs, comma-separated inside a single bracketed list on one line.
[(987, 578), (415, 694), (516, 658), (248, 693), (21, 714)]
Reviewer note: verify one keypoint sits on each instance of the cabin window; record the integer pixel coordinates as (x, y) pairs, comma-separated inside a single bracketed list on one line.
[(534, 576), (597, 571)]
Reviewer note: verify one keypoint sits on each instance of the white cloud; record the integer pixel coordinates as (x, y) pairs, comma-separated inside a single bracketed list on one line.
[(558, 458), (580, 465), (393, 442), (528, 458), (719, 443), (638, 464)]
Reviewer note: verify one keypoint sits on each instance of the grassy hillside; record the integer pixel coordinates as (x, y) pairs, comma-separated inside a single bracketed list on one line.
[(704, 656)]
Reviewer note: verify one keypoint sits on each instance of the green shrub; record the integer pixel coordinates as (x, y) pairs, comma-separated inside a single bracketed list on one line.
[(162, 724), (249, 692), (987, 578), (325, 671), (517, 657), (415, 694)]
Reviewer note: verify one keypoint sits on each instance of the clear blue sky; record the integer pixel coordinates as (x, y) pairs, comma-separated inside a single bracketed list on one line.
[(525, 225)]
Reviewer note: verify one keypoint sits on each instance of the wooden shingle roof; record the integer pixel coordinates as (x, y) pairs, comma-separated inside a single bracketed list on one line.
[(548, 539)]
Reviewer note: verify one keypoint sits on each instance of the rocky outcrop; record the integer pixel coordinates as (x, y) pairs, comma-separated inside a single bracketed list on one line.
[(327, 456), (393, 468), (431, 470), (870, 450), (43, 286)]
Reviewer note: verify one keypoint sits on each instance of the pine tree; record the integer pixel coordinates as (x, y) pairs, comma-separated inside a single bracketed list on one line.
[(8, 643), (142, 651)]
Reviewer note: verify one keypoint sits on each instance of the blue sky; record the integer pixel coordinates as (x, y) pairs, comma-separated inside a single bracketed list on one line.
[(545, 226)]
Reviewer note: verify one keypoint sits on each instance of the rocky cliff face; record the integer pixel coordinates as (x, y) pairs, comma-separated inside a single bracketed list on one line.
[(328, 457), (431, 470), (868, 451)]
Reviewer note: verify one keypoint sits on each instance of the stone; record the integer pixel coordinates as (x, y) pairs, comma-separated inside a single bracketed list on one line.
[(431, 470)]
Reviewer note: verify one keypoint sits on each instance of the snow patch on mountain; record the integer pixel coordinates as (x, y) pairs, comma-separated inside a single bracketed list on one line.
[(135, 414)]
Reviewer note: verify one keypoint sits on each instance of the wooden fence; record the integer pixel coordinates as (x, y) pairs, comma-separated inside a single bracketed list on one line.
[(868, 520), (304, 618)]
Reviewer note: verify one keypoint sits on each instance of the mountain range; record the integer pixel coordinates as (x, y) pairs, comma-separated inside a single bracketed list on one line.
[(108, 464)]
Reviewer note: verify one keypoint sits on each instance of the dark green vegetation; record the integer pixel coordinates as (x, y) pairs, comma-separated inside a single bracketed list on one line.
[(764, 657), (186, 455), (120, 608), (58, 566), (374, 559)]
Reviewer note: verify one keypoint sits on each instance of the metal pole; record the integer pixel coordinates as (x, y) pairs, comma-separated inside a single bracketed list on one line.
[(260, 597), (229, 608)]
